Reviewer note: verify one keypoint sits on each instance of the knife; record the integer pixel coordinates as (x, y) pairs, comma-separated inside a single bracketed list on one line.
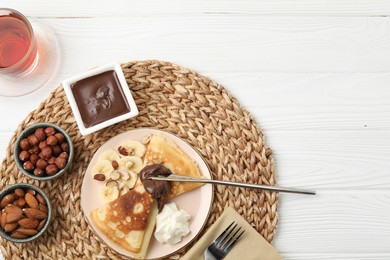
[(174, 177)]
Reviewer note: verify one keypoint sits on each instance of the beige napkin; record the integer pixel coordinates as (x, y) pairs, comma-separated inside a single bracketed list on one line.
[(250, 246)]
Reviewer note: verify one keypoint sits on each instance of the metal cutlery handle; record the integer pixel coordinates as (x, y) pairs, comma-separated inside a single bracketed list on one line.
[(174, 177)]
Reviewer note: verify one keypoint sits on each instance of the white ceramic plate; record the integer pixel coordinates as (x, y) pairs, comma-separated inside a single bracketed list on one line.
[(196, 202)]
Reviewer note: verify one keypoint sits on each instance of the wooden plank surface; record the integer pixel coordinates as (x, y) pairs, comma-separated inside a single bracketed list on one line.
[(314, 74), (249, 44), (102, 8), (335, 222)]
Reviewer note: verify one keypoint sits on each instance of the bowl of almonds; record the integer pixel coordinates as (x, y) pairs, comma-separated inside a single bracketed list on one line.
[(25, 212), (43, 151)]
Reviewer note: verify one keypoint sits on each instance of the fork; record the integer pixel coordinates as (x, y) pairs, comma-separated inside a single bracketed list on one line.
[(222, 245)]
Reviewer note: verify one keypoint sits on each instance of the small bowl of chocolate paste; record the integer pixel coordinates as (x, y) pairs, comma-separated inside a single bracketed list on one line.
[(100, 98)]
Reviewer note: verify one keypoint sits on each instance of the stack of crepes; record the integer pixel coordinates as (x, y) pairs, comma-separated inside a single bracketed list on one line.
[(129, 220)]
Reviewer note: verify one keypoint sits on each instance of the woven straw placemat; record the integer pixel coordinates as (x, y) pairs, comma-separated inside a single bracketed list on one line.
[(171, 98)]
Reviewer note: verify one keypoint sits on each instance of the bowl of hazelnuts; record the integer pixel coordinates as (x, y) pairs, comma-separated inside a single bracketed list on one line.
[(43, 151)]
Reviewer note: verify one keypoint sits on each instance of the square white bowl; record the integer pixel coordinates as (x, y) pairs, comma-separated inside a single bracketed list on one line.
[(66, 84)]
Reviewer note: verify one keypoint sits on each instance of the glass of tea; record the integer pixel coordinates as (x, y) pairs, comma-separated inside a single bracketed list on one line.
[(26, 50), (18, 48)]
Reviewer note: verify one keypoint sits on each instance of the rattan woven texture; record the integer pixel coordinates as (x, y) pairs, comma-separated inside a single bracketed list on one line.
[(171, 98)]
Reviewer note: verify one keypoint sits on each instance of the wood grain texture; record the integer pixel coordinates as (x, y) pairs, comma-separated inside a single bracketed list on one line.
[(314, 74), (334, 222), (115, 8), (4, 140), (332, 160), (267, 44)]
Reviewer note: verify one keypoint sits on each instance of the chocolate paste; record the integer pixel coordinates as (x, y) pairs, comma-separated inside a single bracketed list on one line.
[(158, 189), (100, 98)]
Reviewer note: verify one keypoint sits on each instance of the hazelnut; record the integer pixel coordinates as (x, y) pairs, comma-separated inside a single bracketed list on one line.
[(34, 158), (99, 177), (40, 134), (39, 172), (28, 166), (60, 137), (60, 162), (64, 155), (123, 151), (42, 144), (115, 164), (52, 140), (24, 144), (50, 131), (51, 169), (24, 156), (34, 150), (42, 164), (47, 152), (33, 140), (65, 147), (57, 150), (52, 160)]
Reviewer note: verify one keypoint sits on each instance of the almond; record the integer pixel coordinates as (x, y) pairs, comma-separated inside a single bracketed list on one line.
[(11, 227), (40, 199), (41, 224), (9, 198), (31, 191), (21, 202), (27, 231), (42, 207), (18, 235), (28, 223), (35, 213), (14, 217), (31, 200), (19, 193), (3, 219), (10, 208)]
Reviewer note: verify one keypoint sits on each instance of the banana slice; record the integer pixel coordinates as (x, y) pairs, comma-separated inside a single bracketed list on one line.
[(102, 167), (125, 175), (133, 163), (132, 148), (146, 139), (110, 155), (109, 193), (132, 180), (111, 183), (124, 190), (115, 175), (121, 185)]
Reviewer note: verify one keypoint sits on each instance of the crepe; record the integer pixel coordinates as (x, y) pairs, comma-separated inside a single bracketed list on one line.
[(129, 220), (162, 150)]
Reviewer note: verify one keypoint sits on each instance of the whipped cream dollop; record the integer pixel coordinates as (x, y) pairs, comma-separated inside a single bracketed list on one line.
[(172, 224)]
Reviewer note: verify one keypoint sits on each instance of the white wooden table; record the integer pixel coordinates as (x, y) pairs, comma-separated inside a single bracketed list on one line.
[(314, 73)]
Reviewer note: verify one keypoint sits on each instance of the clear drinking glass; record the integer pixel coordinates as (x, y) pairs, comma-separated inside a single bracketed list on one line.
[(28, 53)]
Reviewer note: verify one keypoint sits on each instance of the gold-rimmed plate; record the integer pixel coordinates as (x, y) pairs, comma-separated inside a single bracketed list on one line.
[(196, 202)]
